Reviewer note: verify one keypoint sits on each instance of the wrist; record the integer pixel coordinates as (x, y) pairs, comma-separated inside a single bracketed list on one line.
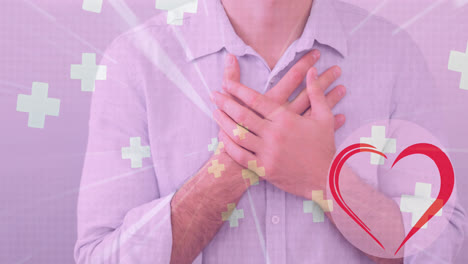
[(228, 182)]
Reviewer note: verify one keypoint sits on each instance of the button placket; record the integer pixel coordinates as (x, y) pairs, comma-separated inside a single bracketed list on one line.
[(275, 224)]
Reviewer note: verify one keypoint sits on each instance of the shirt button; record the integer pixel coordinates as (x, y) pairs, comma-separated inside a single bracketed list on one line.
[(275, 219)]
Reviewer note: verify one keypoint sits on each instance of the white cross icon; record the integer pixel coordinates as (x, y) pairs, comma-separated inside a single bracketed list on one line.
[(232, 215), (38, 105), (382, 144), (88, 72), (215, 146), (136, 152), (176, 9), (315, 206), (419, 203), (92, 5), (459, 62)]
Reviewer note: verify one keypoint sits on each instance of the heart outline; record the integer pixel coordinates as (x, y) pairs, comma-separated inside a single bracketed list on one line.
[(447, 180)]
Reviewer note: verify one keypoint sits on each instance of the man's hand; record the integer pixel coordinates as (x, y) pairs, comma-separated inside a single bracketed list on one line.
[(197, 206), (294, 150)]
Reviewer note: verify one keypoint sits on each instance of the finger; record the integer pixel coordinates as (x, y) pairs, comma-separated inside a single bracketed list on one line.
[(235, 132), (285, 87), (251, 98), (235, 151), (328, 77), (339, 121), (335, 95), (317, 99), (300, 103), (240, 114), (231, 68)]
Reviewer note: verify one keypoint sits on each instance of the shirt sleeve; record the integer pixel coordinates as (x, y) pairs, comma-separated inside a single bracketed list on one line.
[(415, 98), (122, 216)]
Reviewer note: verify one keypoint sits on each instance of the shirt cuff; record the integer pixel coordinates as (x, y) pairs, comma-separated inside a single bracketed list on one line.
[(146, 234)]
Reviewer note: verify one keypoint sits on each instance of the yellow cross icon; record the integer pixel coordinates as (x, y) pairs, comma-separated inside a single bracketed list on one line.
[(253, 172), (240, 131), (216, 168)]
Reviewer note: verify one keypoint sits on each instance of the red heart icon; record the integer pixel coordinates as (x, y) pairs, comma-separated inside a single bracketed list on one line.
[(443, 163)]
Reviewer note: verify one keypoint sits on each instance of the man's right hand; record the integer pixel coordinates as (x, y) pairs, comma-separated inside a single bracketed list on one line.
[(287, 85)]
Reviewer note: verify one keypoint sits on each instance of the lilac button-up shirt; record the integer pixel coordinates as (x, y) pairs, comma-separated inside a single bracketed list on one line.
[(150, 129)]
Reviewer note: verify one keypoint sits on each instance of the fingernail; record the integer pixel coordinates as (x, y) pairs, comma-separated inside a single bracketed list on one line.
[(342, 91), (337, 71), (212, 96), (316, 54)]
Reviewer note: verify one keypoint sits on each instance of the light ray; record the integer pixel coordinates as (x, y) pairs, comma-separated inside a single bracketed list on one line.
[(455, 150), (205, 7), (128, 233), (67, 30), (152, 231), (418, 16), (12, 84), (159, 58), (371, 14), (184, 45), (44, 13), (79, 189), (149, 46), (432, 256), (460, 3), (63, 50), (24, 260), (259, 231), (6, 91)]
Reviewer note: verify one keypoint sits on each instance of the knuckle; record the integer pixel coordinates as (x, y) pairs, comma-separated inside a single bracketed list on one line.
[(241, 116), (333, 98), (277, 112), (254, 101), (243, 158), (227, 146), (329, 78), (296, 75), (237, 140), (224, 104), (235, 87), (328, 117), (230, 73), (284, 121)]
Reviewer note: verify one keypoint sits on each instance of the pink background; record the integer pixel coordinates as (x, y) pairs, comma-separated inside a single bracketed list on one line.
[(41, 168)]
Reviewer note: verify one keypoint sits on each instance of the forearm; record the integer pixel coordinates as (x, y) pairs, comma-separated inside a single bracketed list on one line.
[(197, 207), (377, 211)]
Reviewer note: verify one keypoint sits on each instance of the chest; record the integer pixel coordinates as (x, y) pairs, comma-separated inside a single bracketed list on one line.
[(180, 124)]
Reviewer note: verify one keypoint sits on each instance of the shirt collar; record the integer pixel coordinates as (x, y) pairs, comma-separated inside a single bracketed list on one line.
[(324, 26), (209, 30)]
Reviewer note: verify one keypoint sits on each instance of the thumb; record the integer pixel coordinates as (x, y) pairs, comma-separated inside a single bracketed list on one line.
[(231, 72), (318, 102)]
